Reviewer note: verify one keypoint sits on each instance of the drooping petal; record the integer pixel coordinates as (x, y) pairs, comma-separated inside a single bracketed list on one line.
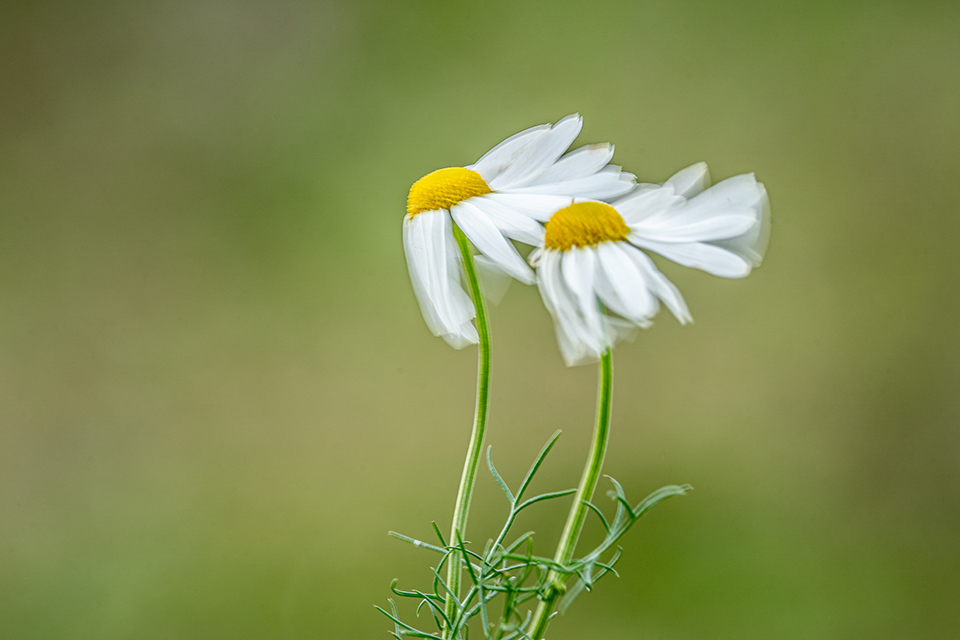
[(550, 286), (577, 344), (620, 330), (434, 267), (485, 236), (493, 281), (579, 268), (624, 288), (658, 283)]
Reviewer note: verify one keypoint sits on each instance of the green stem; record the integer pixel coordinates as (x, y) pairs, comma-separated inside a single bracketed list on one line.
[(556, 582), (469, 476)]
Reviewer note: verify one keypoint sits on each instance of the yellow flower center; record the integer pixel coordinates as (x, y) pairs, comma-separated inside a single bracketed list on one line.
[(584, 224), (444, 188)]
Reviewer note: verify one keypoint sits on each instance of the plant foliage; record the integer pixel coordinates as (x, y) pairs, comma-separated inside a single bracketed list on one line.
[(507, 576)]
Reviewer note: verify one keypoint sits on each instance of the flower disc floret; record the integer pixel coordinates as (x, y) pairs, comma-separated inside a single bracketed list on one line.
[(444, 188), (584, 224)]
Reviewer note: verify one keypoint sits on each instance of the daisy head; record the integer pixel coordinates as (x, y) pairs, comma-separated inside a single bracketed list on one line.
[(499, 198), (591, 259)]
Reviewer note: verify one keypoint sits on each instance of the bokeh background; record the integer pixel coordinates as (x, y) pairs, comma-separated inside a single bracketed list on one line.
[(217, 394)]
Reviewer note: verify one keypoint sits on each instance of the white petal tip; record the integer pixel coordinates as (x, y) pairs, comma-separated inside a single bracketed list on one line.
[(459, 342)]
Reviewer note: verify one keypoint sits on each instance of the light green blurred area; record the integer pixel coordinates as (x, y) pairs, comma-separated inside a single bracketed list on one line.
[(217, 393)]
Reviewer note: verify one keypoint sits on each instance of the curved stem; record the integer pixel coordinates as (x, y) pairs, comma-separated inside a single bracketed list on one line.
[(469, 475), (556, 582)]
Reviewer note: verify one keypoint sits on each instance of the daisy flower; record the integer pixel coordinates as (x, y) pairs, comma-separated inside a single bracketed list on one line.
[(497, 199), (590, 259)]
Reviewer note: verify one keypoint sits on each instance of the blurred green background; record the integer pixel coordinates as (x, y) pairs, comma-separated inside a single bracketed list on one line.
[(217, 393)]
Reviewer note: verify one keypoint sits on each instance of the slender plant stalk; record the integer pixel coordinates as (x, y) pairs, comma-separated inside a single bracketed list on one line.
[(469, 476), (578, 511)]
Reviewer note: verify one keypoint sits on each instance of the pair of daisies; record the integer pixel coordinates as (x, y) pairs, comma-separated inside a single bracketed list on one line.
[(589, 223)]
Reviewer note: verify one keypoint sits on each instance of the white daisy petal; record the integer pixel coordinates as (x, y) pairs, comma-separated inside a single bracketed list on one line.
[(624, 288), (721, 229), (732, 214), (435, 273), (514, 148), (526, 180), (578, 267), (644, 186), (521, 228), (698, 255), (493, 281), (619, 330), (459, 309), (485, 236), (690, 181), (417, 250), (647, 202), (607, 184), (738, 193), (658, 284), (579, 163), (552, 146), (519, 163), (538, 207), (588, 341), (577, 344), (685, 228), (737, 196), (753, 244)]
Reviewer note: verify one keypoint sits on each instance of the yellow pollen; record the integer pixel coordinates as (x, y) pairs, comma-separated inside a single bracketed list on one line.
[(444, 188), (584, 224)]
